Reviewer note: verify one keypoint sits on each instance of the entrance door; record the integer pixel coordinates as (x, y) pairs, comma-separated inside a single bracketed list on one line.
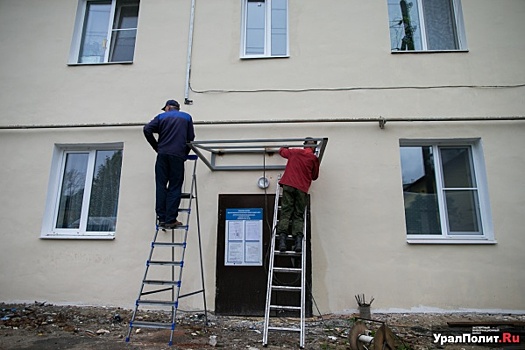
[(241, 286)]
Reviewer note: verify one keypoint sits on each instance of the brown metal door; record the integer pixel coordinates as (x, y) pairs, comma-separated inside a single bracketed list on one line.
[(241, 290)]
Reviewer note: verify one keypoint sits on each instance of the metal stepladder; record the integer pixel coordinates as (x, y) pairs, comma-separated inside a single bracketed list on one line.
[(275, 286), (167, 254)]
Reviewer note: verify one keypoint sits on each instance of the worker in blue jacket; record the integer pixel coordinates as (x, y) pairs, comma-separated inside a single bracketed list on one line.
[(175, 130)]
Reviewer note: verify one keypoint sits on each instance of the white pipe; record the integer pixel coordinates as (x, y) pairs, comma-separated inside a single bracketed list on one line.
[(188, 59)]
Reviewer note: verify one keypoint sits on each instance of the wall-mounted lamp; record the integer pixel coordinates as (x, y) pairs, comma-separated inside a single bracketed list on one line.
[(263, 183)]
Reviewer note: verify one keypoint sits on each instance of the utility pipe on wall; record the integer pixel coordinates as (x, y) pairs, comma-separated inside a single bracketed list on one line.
[(382, 121), (187, 101)]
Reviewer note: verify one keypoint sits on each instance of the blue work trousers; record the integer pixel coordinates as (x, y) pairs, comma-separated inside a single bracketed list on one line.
[(169, 177)]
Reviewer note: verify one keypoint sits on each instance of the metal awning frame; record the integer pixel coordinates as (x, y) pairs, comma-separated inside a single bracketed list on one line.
[(208, 151)]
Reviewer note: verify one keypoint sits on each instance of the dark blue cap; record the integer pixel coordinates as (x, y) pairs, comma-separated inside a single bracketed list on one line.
[(171, 103)]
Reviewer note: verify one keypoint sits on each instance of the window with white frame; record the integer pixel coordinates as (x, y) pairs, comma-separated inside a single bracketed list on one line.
[(426, 25), (83, 192), (105, 31), (264, 28), (445, 192)]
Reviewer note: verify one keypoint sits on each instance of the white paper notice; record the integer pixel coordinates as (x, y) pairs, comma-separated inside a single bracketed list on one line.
[(235, 230), (244, 237), (253, 230), (235, 253)]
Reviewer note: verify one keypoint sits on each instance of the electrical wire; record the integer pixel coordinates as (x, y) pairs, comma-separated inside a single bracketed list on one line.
[(358, 88)]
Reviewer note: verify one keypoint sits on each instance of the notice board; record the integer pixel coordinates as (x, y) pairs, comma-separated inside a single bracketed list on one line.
[(243, 238)]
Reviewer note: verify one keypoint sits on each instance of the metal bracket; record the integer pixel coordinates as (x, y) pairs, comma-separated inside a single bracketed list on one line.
[(382, 122)]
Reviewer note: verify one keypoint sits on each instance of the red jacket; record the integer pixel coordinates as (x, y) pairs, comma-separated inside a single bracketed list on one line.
[(301, 169)]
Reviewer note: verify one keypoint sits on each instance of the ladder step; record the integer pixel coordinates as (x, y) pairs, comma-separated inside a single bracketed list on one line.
[(146, 324), (158, 303), (286, 288), (287, 253), (166, 263), (181, 227), (159, 282), (167, 244), (288, 329), (186, 195), (285, 307), (287, 269)]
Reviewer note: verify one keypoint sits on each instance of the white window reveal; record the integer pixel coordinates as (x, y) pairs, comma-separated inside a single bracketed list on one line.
[(445, 192), (426, 25), (105, 31), (265, 28), (83, 192)]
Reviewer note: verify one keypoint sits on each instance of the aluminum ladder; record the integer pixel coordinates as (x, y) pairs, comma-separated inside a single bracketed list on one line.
[(274, 287), (163, 274)]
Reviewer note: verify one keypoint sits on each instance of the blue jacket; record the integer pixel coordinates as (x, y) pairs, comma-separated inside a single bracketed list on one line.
[(175, 130)]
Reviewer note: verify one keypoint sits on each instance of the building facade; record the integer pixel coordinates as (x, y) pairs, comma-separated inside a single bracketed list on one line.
[(419, 198)]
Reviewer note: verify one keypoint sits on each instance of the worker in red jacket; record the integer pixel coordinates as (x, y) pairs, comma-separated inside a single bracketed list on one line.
[(301, 169)]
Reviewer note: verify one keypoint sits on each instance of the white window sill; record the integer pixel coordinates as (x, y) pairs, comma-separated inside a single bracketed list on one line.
[(451, 241), (426, 51), (99, 237), (98, 63), (262, 56)]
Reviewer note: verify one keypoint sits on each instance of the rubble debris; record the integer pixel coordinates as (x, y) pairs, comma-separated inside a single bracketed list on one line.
[(32, 326), (213, 340)]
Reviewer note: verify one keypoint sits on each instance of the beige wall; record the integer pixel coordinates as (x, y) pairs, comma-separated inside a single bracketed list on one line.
[(358, 232)]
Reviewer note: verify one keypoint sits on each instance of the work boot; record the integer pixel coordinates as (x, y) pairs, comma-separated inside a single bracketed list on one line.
[(298, 243), (282, 242)]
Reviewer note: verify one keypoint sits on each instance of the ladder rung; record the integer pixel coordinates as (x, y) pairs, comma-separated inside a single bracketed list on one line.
[(168, 244), (287, 253), (158, 303), (287, 269), (168, 263), (285, 307), (286, 288), (289, 329), (181, 227), (147, 324), (159, 282), (186, 195)]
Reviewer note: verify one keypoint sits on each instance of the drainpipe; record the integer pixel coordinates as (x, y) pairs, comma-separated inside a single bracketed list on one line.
[(187, 101)]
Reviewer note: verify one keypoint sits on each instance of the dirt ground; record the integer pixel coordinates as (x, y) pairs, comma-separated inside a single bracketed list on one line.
[(42, 326)]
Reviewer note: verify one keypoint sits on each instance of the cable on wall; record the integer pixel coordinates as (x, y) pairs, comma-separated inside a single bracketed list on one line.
[(357, 88)]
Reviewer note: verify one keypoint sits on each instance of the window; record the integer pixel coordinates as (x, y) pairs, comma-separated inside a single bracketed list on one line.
[(265, 28), (105, 31), (426, 25), (83, 192), (445, 192)]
